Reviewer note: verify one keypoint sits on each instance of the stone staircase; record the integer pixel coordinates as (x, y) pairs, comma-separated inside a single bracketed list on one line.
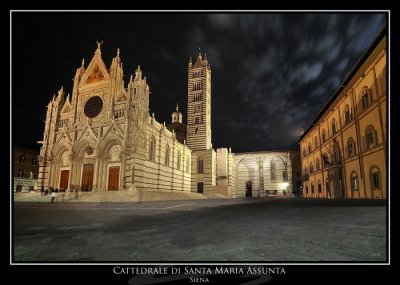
[(113, 196), (212, 195)]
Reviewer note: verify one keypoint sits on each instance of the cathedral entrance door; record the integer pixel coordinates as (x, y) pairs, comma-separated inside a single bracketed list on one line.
[(113, 178), (200, 186), (64, 175), (87, 177)]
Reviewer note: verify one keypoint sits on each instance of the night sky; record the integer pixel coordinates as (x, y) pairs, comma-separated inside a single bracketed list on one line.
[(271, 73)]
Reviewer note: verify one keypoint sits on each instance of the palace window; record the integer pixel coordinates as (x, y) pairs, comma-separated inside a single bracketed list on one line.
[(273, 169), (311, 168), (317, 165), (375, 178), (200, 163), (366, 98), (351, 147), (370, 137), (323, 136), (319, 186), (309, 148), (312, 187), (306, 189), (315, 142), (304, 152), (333, 127), (347, 115), (354, 181), (152, 149)]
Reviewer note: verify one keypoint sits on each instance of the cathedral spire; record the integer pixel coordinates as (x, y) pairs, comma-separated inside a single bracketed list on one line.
[(138, 73), (117, 59)]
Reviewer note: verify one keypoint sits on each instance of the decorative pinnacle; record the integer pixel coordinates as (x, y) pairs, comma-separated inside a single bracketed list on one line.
[(177, 107), (83, 62), (99, 44), (118, 52)]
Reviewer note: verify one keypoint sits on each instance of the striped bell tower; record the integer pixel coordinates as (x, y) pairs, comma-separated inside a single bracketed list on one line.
[(199, 104)]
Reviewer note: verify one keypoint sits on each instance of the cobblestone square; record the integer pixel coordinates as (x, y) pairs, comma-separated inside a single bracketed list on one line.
[(208, 230)]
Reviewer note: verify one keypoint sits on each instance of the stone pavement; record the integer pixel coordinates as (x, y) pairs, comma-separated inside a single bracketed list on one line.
[(262, 230)]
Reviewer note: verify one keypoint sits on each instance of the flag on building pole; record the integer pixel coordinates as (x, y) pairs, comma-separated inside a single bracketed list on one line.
[(325, 158)]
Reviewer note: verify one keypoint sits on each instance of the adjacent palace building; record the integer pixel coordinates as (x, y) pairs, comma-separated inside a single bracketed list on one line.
[(344, 150), (102, 138)]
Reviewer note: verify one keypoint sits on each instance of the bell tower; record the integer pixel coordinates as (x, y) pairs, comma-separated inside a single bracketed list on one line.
[(199, 104)]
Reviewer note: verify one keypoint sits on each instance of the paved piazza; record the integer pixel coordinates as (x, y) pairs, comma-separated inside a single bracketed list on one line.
[(252, 229)]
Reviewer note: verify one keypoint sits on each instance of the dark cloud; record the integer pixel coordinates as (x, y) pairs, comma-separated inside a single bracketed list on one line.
[(271, 73)]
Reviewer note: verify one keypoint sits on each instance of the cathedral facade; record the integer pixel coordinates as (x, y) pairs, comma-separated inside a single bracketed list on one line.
[(102, 138)]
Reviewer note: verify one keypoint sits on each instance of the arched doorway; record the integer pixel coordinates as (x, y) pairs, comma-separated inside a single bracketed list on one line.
[(247, 171), (87, 177), (249, 189)]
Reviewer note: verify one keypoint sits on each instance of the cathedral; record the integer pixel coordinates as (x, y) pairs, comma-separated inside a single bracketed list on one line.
[(102, 138)]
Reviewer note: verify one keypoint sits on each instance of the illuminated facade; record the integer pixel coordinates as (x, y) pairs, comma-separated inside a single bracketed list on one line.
[(344, 150), (102, 138)]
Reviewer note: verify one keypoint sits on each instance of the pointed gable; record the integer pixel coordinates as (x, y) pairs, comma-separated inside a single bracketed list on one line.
[(96, 75), (66, 108), (96, 70)]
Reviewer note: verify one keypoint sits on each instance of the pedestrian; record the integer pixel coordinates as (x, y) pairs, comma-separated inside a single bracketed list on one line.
[(42, 191), (53, 196)]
